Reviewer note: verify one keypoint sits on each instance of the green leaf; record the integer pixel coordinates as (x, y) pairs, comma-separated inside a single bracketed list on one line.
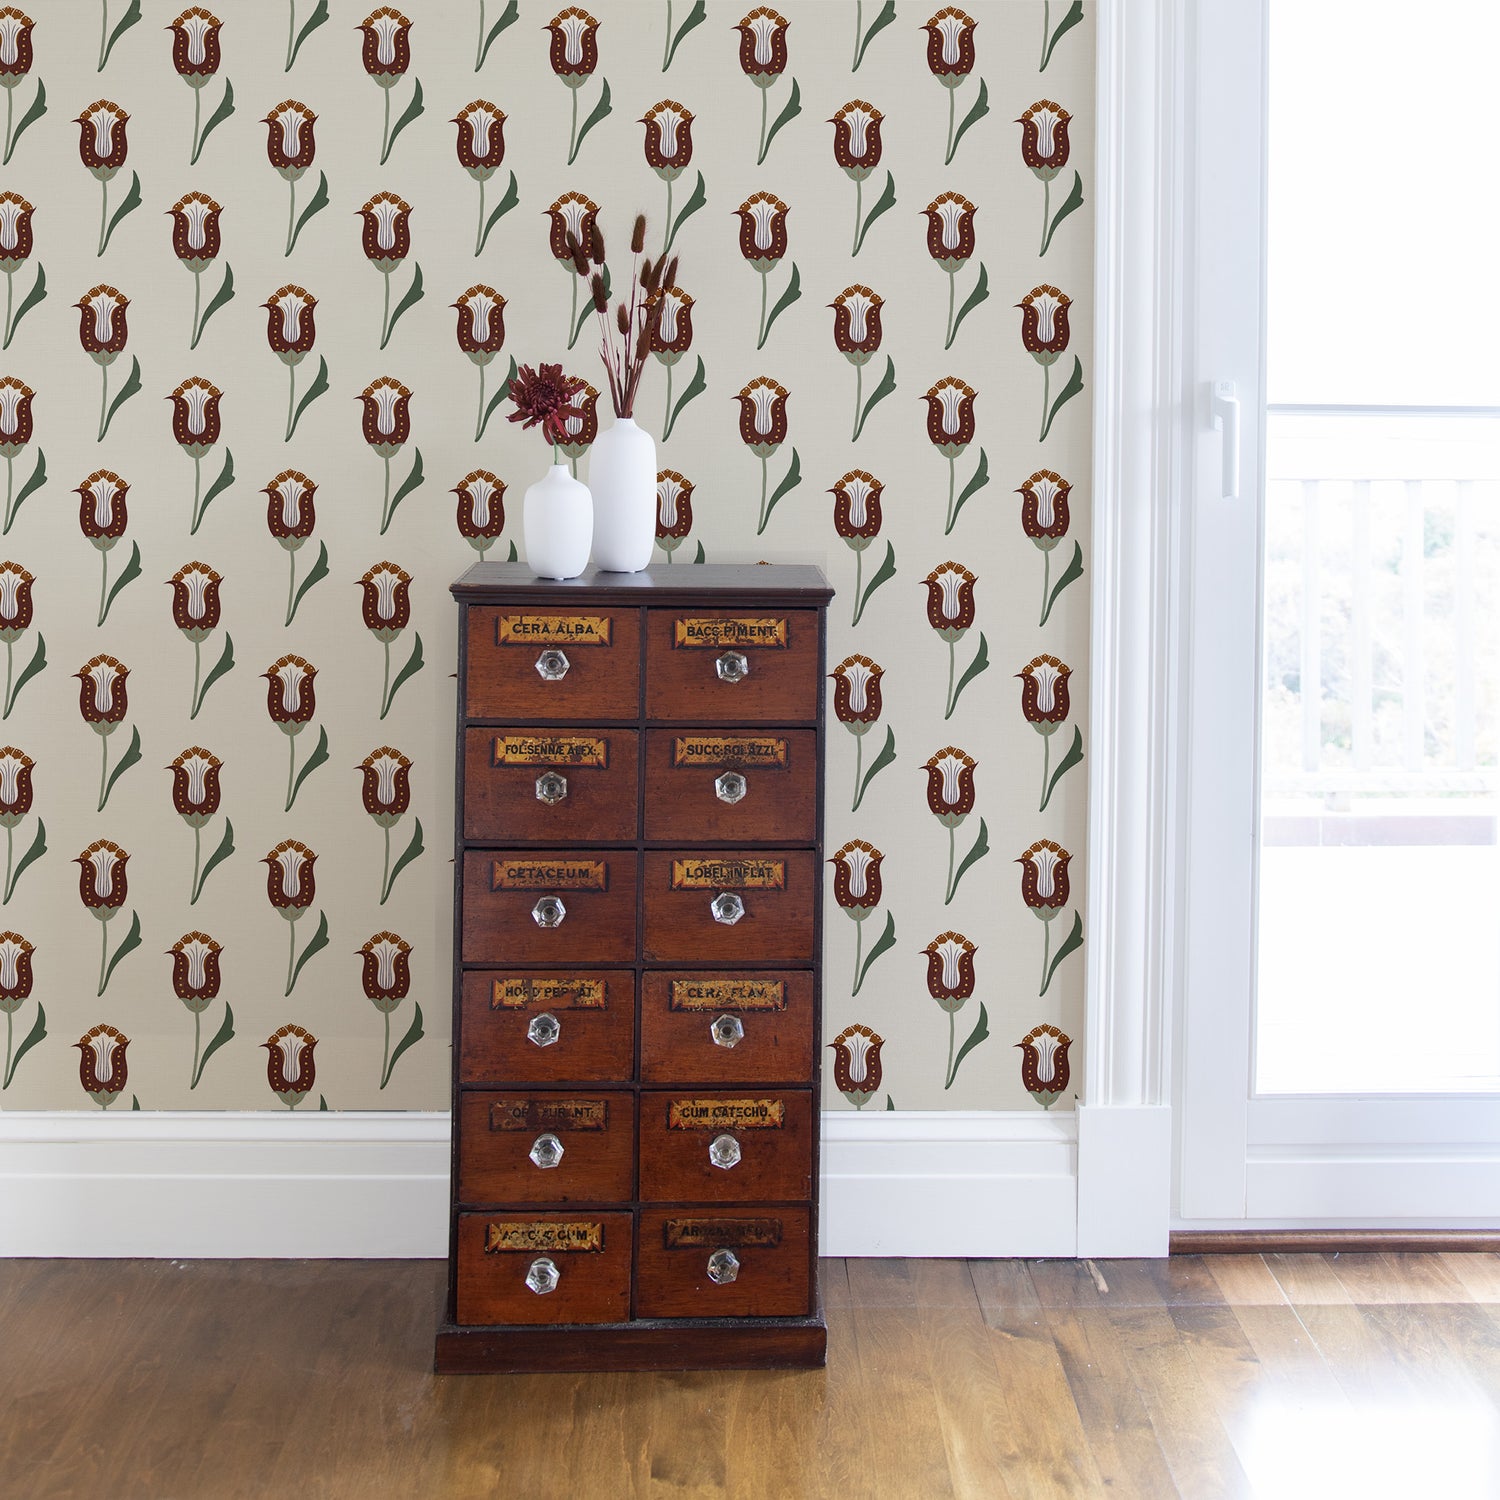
[(37, 294), (884, 389), (1071, 389), (512, 11), (980, 294), (135, 1102), (701, 557), (32, 115), (223, 1034), (980, 848), (792, 109), (980, 109), (318, 943), (322, 1104), (883, 574), (1066, 764), (1071, 574), (979, 1034), (884, 19), (790, 481), (413, 480), (126, 391), (225, 849), (503, 207), (409, 114), (790, 295), (414, 295), (315, 204), (126, 761), (412, 850), (884, 942), (316, 759), (316, 574), (588, 310), (414, 1034), (1073, 940), (315, 20), (1074, 200), (37, 850), (696, 199), (489, 410), (37, 1032), (1068, 22), (886, 201), (316, 389), (220, 297), (131, 16), (222, 483), (224, 664), (695, 387), (695, 18), (977, 482), (37, 664), (412, 667), (130, 572), (979, 664), (131, 943), (515, 556), (881, 761), (888, 1102), (222, 113), (598, 112), (37, 480)]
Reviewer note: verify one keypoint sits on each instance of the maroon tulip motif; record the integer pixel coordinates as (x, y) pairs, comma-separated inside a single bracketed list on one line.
[(763, 56), (290, 1069), (195, 45), (950, 786), (856, 323), (1044, 693), (1044, 323), (195, 786), (1045, 890), (674, 510), (195, 600), (950, 230), (856, 509), (386, 417), (1044, 138), (291, 886), (195, 969), (763, 235), (763, 418), (386, 608), (102, 140), (481, 138), (15, 989), (15, 48), (481, 509), (950, 46), (291, 702), (856, 139), (15, 421), (670, 335), (195, 415), (573, 219), (385, 236), (857, 889), (102, 515), (580, 425), (102, 323), (386, 47), (16, 242), (103, 886), (102, 697), (15, 787), (385, 973), (950, 600), (950, 969), (1044, 1063), (1044, 508), (291, 140), (856, 693), (102, 1069), (669, 140), (950, 416), (573, 48), (16, 607), (856, 1064), (481, 333), (290, 508), (196, 244), (291, 327), (385, 789)]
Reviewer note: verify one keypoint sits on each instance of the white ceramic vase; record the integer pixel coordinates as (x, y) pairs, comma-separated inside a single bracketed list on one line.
[(622, 477), (558, 521)]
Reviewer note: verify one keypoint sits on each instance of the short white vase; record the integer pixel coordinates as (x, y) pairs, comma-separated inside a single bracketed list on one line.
[(558, 521), (622, 477)]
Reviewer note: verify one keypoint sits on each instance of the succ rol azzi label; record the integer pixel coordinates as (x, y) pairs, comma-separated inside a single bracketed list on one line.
[(726, 1114), (551, 750), (728, 994), (694, 630), (548, 993), (529, 1237), (710, 874), (553, 630), (728, 750)]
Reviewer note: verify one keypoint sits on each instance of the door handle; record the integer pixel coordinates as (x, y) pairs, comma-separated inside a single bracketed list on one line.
[(1225, 407)]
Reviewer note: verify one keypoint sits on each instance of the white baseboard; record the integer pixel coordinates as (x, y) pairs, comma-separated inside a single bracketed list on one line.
[(346, 1185), (1124, 1180)]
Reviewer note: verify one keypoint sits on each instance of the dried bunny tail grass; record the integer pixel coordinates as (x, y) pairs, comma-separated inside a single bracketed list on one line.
[(638, 236), (622, 320), (646, 274), (596, 246), (601, 298)]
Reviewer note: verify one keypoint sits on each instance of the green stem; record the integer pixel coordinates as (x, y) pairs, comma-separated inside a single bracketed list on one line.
[(103, 771), (764, 278), (103, 211), (10, 661), (385, 702), (951, 481), (197, 303), (385, 311), (10, 841), (859, 199), (385, 878), (385, 519), (197, 1042), (859, 761), (197, 489), (952, 1037), (859, 391), (197, 673), (952, 837), (291, 214), (1046, 954), (573, 129), (1046, 394), (385, 133), (291, 955), (10, 1022), (479, 415), (1046, 212), (195, 888), (952, 280), (291, 396), (103, 399), (197, 116), (291, 771), (103, 586), (1046, 764), (10, 280), (103, 32), (764, 97), (952, 94), (573, 307), (291, 32), (859, 943), (667, 243), (479, 228), (859, 22), (666, 418), (763, 516), (10, 485), (385, 1061), (10, 104), (666, 44), (103, 954), (479, 51), (1046, 29), (859, 572), (952, 655), (1046, 583)]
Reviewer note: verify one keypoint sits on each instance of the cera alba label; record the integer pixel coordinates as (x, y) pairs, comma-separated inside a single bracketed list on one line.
[(712, 1234), (710, 874), (549, 1114), (693, 630), (726, 1114), (550, 875), (553, 630), (724, 750), (549, 993), (550, 750), (530, 1237), (728, 994)]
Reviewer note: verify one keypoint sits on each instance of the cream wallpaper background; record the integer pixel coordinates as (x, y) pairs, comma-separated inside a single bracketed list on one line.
[(50, 957)]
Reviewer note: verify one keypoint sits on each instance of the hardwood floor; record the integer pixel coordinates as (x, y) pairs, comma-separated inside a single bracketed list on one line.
[(1276, 1375)]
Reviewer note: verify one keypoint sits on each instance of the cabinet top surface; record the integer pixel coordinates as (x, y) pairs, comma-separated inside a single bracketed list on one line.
[(698, 583)]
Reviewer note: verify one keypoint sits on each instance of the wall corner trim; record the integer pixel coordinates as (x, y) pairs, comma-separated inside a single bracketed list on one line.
[(1124, 1180)]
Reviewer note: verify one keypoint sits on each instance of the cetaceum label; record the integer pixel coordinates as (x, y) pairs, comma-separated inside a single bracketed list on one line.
[(726, 1114), (553, 630), (550, 875), (693, 630), (736, 1234), (529, 1237), (551, 750), (546, 992), (710, 874), (728, 994), (727, 750), (549, 1114)]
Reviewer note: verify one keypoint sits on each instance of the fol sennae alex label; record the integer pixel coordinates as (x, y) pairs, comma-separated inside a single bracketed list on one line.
[(709, 873), (728, 750), (728, 994), (529, 1236), (553, 630), (726, 1114), (551, 750), (549, 992), (695, 630), (549, 875)]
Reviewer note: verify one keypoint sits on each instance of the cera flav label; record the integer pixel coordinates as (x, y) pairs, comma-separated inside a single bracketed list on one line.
[(726, 1114), (549, 1114), (550, 750), (546, 992), (553, 630), (727, 750), (710, 874), (728, 994), (530, 1237), (550, 875), (693, 630), (711, 1234)]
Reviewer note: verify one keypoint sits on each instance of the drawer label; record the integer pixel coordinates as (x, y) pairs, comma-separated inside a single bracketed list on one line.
[(553, 630), (549, 1114), (711, 874), (531, 1236), (724, 750), (726, 1114), (693, 630), (548, 993), (710, 1234), (551, 750), (550, 875), (728, 994)]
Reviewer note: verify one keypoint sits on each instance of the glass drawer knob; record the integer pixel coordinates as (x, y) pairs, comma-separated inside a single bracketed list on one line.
[(544, 1029), (546, 1151), (732, 666), (727, 908), (731, 787), (542, 1276), (724, 1152), (723, 1267), (551, 787), (553, 665), (549, 912), (727, 1031)]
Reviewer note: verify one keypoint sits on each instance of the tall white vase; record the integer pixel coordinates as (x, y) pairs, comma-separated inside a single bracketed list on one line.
[(622, 477), (558, 521)]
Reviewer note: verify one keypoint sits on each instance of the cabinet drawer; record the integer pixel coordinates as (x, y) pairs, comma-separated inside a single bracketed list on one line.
[(704, 1263), (726, 906), (726, 1026), (555, 785), (584, 1259), (728, 784), (763, 1139), (730, 666), (546, 1148), (597, 675), (568, 1026), (509, 895)]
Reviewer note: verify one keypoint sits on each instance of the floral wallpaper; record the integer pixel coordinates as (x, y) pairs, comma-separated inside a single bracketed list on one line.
[(267, 272)]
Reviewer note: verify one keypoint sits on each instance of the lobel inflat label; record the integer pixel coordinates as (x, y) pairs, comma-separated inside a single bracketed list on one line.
[(708, 873)]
